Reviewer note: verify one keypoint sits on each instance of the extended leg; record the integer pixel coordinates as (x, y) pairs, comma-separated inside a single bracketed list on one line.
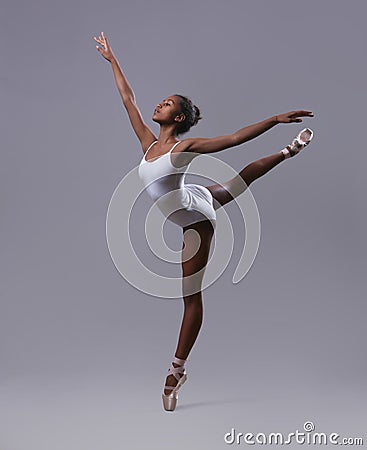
[(257, 169), (249, 174)]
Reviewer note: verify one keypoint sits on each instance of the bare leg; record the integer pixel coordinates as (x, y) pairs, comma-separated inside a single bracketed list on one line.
[(193, 305), (249, 174)]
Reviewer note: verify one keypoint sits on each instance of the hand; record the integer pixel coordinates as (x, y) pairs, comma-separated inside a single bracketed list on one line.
[(293, 116), (105, 50)]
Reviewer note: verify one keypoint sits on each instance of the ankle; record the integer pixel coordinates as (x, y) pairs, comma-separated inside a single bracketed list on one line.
[(178, 361), (287, 152)]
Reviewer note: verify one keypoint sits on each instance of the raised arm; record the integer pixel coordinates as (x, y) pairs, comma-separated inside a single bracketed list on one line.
[(211, 145), (143, 132)]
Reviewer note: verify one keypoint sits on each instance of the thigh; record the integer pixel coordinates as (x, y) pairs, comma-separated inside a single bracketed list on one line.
[(196, 244), (220, 194)]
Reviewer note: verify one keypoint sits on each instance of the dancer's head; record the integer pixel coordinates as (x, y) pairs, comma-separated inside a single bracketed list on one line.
[(179, 110)]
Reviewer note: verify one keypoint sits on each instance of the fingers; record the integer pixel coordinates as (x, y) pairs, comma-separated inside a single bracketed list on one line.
[(99, 42), (105, 40), (304, 113), (294, 116), (102, 40)]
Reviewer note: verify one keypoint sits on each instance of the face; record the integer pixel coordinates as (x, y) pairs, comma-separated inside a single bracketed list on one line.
[(167, 111)]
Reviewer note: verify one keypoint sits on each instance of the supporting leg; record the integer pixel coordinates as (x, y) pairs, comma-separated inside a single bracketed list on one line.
[(191, 323), (192, 273)]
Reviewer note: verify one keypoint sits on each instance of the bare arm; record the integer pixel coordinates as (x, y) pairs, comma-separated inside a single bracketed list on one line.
[(143, 132), (212, 145)]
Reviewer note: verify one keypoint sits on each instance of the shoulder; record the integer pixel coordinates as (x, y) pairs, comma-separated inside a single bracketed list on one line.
[(184, 145), (181, 152)]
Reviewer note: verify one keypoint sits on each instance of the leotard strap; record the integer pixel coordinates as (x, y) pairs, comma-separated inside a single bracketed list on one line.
[(174, 146), (151, 145)]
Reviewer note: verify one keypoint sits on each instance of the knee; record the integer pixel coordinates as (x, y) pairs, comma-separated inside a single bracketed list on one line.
[(193, 300), (191, 289)]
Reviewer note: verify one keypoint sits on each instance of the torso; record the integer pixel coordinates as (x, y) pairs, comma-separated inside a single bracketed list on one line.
[(165, 184), (179, 158)]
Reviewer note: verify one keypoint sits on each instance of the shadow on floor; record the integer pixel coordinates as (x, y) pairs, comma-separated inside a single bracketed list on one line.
[(213, 402)]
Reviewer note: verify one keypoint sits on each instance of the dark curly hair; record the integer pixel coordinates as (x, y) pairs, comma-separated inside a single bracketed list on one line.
[(192, 114)]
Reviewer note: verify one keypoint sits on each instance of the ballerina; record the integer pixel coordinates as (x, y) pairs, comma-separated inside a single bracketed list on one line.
[(192, 206)]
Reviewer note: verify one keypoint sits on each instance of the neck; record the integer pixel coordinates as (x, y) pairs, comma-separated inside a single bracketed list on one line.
[(167, 134)]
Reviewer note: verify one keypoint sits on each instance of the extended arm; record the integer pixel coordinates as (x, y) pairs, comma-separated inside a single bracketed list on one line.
[(143, 132), (211, 145)]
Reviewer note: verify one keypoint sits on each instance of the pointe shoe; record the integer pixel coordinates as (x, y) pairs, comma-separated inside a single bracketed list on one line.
[(302, 139), (170, 400)]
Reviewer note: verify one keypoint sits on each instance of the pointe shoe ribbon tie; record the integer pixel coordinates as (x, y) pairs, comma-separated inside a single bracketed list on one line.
[(170, 400)]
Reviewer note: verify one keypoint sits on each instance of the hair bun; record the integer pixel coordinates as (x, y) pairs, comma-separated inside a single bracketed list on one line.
[(197, 115)]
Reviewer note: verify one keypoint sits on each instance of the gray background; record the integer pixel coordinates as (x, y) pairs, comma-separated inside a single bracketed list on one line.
[(83, 353)]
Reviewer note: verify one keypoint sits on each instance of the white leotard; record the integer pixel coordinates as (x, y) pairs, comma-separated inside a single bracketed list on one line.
[(183, 204)]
